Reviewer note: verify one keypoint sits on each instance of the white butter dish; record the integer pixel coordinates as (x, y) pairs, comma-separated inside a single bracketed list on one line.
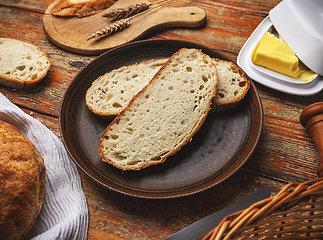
[(284, 20), (271, 78)]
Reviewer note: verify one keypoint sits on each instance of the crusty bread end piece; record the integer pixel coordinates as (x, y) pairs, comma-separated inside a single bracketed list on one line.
[(22, 64), (80, 8), (112, 92), (164, 115), (232, 86)]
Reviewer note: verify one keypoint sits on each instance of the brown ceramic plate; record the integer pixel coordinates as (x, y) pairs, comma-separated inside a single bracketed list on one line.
[(224, 143)]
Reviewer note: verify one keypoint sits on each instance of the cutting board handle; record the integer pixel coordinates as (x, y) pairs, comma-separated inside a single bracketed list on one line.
[(312, 119)]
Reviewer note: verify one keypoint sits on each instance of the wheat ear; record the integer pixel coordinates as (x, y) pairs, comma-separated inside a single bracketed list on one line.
[(121, 24), (131, 10), (114, 27)]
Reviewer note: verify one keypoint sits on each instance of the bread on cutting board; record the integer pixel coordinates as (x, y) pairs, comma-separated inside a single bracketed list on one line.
[(22, 183), (164, 115), (80, 8), (22, 64)]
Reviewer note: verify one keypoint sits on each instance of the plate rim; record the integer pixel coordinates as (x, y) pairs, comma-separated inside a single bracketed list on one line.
[(151, 193)]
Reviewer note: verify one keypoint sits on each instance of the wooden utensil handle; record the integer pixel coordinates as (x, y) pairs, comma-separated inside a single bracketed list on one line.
[(312, 119)]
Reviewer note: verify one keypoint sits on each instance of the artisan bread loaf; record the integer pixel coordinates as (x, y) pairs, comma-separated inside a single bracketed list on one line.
[(22, 64), (164, 115), (112, 92), (22, 183), (232, 86), (80, 8)]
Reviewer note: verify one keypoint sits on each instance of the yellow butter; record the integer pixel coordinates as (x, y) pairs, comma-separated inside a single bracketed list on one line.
[(307, 75), (273, 53)]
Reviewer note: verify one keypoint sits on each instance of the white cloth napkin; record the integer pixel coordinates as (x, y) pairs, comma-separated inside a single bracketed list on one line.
[(64, 213)]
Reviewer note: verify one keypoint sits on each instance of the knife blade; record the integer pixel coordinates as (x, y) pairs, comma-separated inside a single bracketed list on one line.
[(199, 229)]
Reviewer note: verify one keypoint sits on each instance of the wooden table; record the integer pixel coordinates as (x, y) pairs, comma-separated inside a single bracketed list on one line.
[(285, 152)]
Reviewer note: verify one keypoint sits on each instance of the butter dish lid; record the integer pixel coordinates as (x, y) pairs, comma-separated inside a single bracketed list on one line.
[(300, 24)]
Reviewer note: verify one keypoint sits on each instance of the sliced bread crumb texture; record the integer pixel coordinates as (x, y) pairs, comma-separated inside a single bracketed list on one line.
[(231, 88), (112, 92), (164, 116), (22, 64)]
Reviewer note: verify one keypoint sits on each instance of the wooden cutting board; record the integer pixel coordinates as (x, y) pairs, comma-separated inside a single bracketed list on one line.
[(71, 33)]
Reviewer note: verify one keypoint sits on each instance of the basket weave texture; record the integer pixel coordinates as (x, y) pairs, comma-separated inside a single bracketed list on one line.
[(295, 213)]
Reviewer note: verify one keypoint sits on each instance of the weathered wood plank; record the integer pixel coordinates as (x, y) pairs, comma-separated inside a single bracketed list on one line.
[(229, 24), (115, 216), (30, 5), (285, 151)]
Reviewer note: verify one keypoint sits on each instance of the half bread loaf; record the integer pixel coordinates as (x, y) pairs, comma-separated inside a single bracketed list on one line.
[(22, 183), (112, 92), (164, 115), (22, 64)]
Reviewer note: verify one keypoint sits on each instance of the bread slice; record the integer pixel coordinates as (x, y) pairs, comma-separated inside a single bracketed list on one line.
[(164, 115), (80, 8), (22, 64), (112, 92), (232, 86)]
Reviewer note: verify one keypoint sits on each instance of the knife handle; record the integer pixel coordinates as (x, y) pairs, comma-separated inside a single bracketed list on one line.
[(312, 119)]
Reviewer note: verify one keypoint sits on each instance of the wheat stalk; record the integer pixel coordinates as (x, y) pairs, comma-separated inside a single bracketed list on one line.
[(131, 10), (119, 13), (114, 27), (123, 23)]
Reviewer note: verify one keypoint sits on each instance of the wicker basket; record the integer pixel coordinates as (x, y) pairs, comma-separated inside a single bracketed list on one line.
[(296, 212)]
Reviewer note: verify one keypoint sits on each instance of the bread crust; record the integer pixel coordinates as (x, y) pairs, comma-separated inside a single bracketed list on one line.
[(68, 8), (142, 94), (22, 183), (33, 51)]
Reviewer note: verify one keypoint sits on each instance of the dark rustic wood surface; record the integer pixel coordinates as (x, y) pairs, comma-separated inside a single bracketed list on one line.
[(285, 152)]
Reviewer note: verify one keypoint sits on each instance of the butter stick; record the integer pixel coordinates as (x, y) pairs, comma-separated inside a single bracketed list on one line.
[(273, 53)]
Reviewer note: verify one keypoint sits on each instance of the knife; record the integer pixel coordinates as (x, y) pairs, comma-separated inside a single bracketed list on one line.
[(199, 229)]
